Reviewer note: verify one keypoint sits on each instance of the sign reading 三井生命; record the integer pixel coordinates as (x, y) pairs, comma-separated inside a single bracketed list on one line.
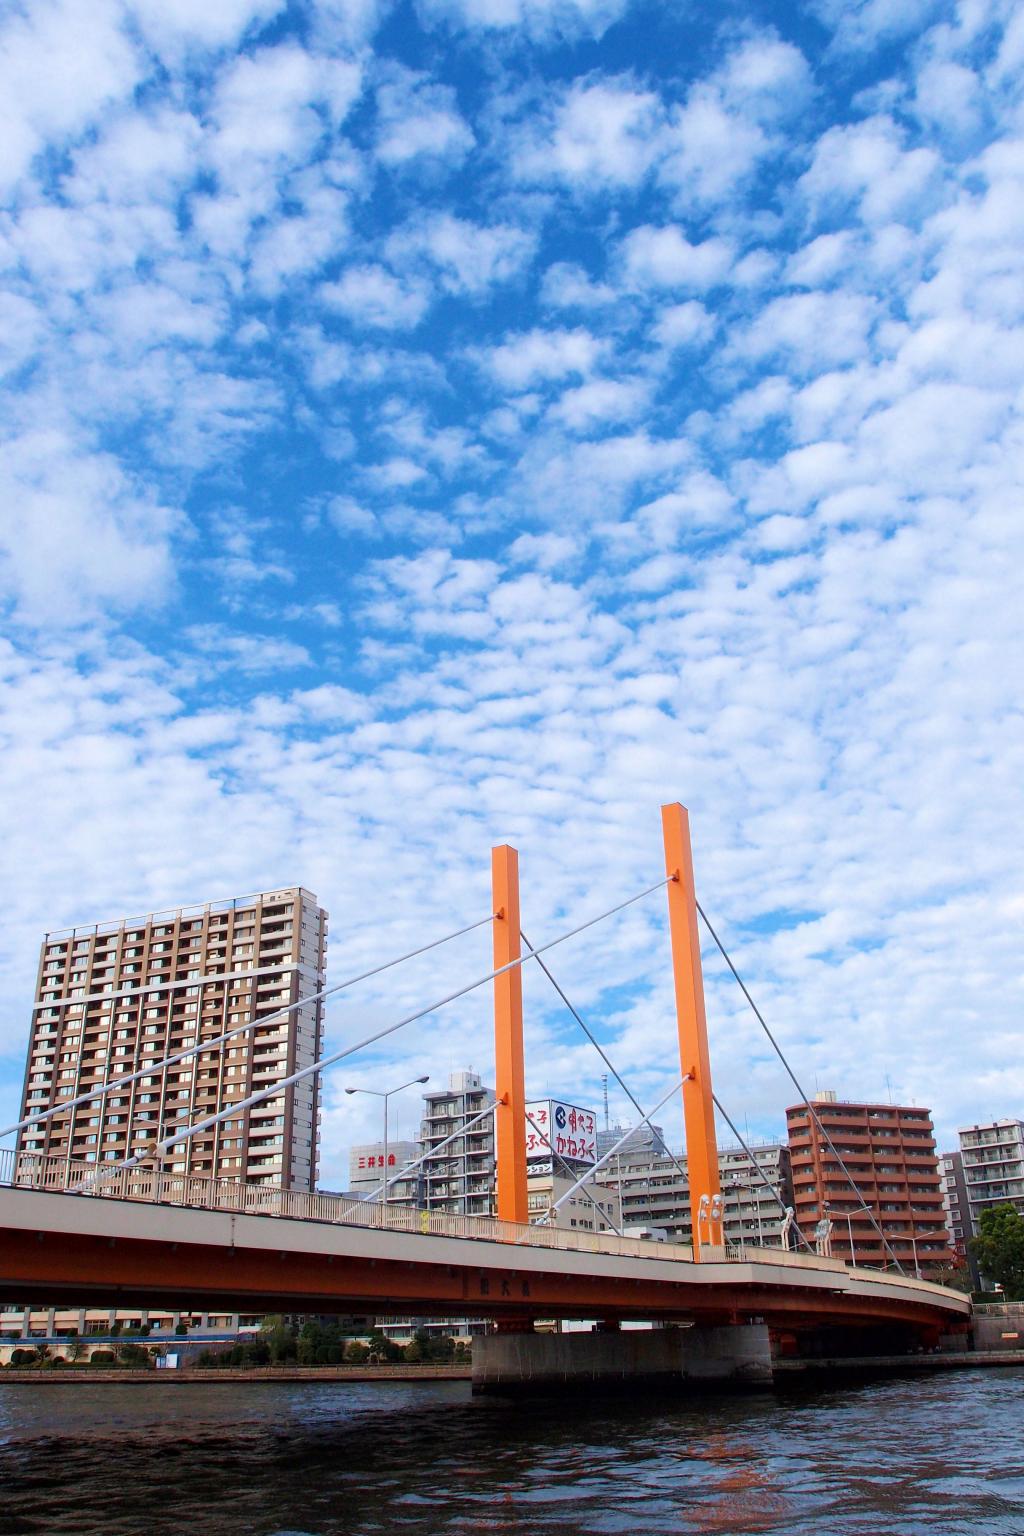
[(560, 1130)]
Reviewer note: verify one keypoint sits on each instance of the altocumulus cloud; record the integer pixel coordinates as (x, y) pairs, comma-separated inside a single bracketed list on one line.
[(478, 420)]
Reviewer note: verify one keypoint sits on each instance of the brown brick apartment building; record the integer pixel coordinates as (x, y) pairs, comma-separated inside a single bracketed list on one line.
[(889, 1150)]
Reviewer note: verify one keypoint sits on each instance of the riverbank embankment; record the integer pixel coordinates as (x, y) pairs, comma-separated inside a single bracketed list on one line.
[(74, 1375)]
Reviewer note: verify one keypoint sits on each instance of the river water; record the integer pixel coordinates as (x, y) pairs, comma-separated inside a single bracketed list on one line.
[(940, 1454)]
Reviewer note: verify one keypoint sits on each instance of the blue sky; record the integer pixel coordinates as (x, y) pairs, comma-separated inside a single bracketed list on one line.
[(428, 425)]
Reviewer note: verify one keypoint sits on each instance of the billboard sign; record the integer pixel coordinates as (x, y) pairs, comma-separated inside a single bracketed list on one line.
[(565, 1130)]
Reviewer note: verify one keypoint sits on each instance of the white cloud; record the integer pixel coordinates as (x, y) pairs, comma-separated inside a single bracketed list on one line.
[(599, 401), (175, 27), (350, 516), (538, 18), (567, 286), (813, 329), (728, 123), (864, 25), (416, 118), (223, 650), (371, 296), (787, 560), (77, 535), (662, 257), (470, 258), (541, 356), (271, 110), (545, 551), (866, 163), (139, 156), (84, 57), (684, 325), (822, 259), (604, 133)]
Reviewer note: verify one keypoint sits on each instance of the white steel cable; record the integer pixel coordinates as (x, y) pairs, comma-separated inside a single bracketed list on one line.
[(177, 1138), (812, 1112), (205, 1045)]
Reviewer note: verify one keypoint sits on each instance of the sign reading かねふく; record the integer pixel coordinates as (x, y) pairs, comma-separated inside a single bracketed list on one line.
[(560, 1130)]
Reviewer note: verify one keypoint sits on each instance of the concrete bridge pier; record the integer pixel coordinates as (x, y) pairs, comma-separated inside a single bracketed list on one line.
[(736, 1356)]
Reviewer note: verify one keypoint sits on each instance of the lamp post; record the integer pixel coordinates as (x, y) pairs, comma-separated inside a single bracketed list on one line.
[(379, 1093), (741, 1186)]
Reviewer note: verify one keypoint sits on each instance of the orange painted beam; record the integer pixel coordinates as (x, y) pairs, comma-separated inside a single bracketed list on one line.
[(694, 1056), (509, 1075), (61, 1268)]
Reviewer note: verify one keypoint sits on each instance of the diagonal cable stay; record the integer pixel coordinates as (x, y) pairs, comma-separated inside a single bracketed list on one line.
[(793, 1079), (776, 1194)]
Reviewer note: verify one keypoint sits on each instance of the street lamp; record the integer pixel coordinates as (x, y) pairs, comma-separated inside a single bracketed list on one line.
[(380, 1094), (849, 1226)]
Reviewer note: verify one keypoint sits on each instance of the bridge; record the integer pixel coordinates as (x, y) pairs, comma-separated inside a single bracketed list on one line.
[(135, 1234)]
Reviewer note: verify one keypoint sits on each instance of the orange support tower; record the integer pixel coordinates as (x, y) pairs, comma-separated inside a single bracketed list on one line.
[(509, 1078), (694, 1058)]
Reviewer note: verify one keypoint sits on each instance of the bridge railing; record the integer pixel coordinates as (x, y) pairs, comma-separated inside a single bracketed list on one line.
[(31, 1170)]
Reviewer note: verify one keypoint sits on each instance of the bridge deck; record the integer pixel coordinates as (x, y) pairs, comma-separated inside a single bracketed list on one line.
[(59, 1246)]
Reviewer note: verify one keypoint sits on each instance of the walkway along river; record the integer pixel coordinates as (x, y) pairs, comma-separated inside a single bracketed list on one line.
[(942, 1453)]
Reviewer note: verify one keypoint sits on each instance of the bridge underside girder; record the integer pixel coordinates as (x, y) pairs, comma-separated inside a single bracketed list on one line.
[(53, 1268)]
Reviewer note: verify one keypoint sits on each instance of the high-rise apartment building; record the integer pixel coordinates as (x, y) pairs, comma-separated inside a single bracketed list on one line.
[(461, 1176), (889, 1151), (113, 997), (993, 1158)]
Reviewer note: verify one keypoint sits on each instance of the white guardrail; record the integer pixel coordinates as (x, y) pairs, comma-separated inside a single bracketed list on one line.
[(36, 1171)]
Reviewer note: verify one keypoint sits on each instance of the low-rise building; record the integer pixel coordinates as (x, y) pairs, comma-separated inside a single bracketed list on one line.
[(75, 1334), (372, 1163), (595, 1207), (655, 1193)]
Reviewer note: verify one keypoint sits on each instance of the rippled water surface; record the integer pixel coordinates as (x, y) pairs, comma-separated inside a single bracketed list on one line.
[(935, 1455)]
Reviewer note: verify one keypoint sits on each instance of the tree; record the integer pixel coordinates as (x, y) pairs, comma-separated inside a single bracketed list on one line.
[(999, 1249), (279, 1338), (133, 1355)]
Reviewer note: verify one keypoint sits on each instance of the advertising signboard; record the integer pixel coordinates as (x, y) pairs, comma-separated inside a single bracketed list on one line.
[(565, 1129)]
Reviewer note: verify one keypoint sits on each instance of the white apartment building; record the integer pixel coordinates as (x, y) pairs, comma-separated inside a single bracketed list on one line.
[(993, 1162), (460, 1177)]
